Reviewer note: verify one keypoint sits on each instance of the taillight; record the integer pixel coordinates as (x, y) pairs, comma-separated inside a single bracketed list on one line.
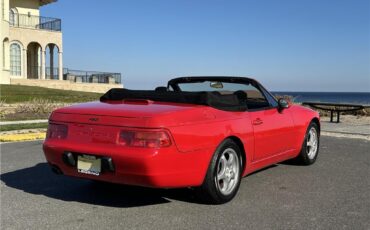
[(146, 139), (57, 131)]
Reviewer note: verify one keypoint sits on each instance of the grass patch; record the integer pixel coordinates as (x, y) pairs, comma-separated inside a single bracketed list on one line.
[(23, 126), (23, 116), (21, 93)]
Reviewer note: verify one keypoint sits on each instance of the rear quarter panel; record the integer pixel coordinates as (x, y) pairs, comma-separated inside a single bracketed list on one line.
[(209, 134)]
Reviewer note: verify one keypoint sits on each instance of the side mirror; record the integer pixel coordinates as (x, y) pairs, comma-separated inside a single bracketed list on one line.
[(283, 104)]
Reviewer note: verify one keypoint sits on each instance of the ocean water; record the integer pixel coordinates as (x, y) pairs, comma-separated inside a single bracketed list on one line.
[(334, 97)]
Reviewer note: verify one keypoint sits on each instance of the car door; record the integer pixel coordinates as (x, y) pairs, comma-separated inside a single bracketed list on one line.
[(273, 128)]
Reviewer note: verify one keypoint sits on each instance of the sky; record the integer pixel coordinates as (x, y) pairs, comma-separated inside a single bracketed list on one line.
[(287, 45)]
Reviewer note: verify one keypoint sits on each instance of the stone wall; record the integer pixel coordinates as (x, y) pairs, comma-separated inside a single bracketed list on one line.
[(66, 85)]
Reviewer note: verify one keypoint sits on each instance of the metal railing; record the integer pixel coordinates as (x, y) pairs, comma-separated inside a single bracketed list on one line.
[(91, 76), (78, 76), (51, 73), (35, 22)]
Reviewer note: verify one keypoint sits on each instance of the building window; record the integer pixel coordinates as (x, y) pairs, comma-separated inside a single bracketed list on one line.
[(15, 60), (13, 17)]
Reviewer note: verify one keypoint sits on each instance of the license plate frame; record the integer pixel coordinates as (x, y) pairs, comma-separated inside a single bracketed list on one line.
[(88, 164)]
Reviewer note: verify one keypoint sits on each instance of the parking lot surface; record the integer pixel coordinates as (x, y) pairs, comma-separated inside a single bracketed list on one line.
[(334, 193)]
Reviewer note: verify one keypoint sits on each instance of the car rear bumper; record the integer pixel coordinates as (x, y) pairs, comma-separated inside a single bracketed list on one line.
[(161, 168)]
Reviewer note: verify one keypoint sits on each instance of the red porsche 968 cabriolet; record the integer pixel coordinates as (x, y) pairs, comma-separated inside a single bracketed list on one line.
[(200, 132)]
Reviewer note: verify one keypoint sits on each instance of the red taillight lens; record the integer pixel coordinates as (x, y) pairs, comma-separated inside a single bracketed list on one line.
[(146, 139), (57, 131)]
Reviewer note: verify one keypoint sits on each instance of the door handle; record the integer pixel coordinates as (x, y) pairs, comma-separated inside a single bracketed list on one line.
[(258, 121)]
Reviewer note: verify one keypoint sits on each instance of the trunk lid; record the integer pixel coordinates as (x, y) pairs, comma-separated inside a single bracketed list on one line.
[(132, 113)]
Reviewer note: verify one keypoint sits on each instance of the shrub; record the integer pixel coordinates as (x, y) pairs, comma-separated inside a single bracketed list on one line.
[(37, 106), (288, 98)]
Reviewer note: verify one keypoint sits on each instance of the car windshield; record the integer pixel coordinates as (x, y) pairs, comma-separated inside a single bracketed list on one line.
[(209, 86), (222, 87)]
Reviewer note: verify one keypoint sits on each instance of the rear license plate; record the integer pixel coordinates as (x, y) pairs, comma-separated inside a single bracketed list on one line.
[(89, 165)]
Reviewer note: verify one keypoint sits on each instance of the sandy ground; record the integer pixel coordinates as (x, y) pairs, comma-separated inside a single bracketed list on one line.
[(349, 126), (350, 119)]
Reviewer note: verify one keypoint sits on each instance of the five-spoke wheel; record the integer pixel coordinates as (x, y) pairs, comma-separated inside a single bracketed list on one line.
[(312, 143), (224, 173), (227, 171), (310, 147)]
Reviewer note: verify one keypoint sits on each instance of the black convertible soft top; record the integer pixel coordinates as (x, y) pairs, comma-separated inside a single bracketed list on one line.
[(231, 102)]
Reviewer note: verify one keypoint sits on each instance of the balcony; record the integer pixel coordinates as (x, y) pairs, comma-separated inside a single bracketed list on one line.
[(81, 76), (34, 22)]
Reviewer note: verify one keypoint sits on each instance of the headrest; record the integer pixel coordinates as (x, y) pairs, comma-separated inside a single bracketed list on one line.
[(161, 89)]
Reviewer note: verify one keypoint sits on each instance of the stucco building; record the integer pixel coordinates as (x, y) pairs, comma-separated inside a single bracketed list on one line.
[(32, 48)]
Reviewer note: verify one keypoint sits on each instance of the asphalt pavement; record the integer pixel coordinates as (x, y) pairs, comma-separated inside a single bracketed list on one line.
[(334, 193)]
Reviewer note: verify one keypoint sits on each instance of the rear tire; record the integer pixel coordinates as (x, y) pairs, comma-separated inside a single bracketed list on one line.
[(310, 147), (223, 175)]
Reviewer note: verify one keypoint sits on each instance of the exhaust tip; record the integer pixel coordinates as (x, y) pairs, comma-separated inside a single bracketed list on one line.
[(69, 159)]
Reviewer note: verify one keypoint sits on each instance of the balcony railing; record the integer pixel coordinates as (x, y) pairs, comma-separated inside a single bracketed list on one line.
[(35, 22), (78, 76), (91, 76), (51, 73)]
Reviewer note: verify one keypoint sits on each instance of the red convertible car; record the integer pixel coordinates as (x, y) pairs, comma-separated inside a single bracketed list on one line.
[(200, 132)]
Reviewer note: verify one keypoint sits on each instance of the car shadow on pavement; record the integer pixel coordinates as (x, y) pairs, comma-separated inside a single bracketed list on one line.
[(39, 180)]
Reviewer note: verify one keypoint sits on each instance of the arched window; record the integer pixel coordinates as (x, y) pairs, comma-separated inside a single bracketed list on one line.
[(13, 17), (15, 60)]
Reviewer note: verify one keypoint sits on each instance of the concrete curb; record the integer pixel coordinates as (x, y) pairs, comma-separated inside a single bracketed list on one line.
[(22, 137), (346, 135), (22, 122)]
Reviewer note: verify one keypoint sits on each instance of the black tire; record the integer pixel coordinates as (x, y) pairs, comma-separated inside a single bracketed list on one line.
[(211, 191), (304, 157)]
